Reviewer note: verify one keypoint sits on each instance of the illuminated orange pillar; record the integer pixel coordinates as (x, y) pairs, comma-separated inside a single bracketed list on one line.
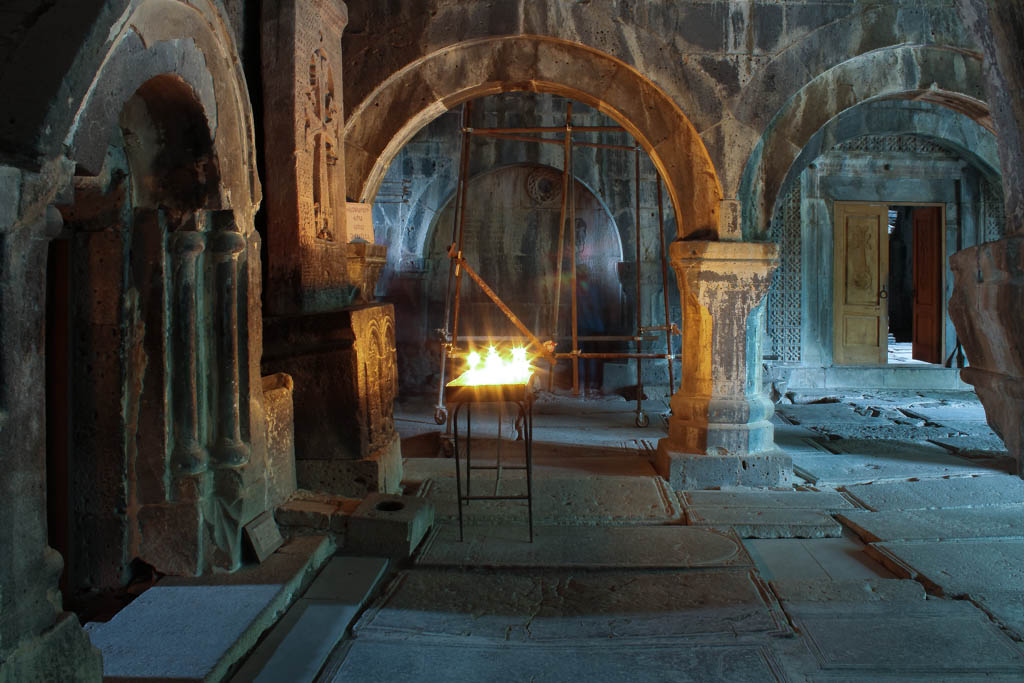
[(719, 431)]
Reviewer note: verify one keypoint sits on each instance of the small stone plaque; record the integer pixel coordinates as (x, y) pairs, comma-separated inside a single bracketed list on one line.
[(359, 221), (264, 535)]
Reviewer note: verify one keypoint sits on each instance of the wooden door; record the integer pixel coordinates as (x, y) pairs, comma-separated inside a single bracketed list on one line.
[(861, 322), (928, 267)]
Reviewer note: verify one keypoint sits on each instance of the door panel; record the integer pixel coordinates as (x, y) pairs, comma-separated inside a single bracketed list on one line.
[(861, 268), (928, 267)]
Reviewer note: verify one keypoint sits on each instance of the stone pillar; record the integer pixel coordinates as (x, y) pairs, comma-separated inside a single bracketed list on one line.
[(225, 246), (38, 640), (305, 163), (322, 328), (189, 456), (719, 431)]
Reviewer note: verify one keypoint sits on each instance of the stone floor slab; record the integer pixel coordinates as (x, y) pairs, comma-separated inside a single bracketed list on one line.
[(940, 411), (955, 492), (297, 646), (832, 559), (825, 413), (783, 500), (591, 500), (942, 638), (766, 522), (863, 590), (896, 525), (958, 567), (197, 628), (477, 606), (1005, 607), (870, 460), (371, 661), (679, 547)]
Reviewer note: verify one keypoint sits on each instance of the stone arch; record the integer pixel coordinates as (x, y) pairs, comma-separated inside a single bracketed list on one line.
[(957, 132), (192, 42), (945, 76), (389, 117)]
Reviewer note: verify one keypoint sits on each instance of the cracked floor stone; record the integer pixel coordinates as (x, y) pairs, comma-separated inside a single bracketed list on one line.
[(617, 587)]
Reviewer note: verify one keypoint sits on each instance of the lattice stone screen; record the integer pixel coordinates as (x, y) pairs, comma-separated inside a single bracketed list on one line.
[(994, 221), (784, 310), (880, 144)]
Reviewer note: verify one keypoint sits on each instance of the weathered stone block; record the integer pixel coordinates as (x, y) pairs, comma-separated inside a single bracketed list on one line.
[(345, 380), (381, 471), (171, 537), (279, 412), (389, 525), (686, 471)]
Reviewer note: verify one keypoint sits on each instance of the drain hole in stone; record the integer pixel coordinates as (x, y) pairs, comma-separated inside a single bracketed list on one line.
[(744, 463), (390, 505)]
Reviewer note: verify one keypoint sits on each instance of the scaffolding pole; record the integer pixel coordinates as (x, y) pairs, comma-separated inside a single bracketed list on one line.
[(458, 221), (664, 287)]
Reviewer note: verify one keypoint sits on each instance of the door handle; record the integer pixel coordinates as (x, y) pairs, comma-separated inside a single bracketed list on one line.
[(883, 294)]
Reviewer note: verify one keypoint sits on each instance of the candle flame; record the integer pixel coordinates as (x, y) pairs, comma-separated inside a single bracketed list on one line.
[(496, 370)]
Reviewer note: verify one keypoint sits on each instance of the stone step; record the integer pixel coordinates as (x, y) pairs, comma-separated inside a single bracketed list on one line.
[(297, 647), (197, 629)]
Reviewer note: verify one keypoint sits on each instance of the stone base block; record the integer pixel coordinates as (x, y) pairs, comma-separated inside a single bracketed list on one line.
[(379, 473), (62, 653), (690, 471), (389, 525)]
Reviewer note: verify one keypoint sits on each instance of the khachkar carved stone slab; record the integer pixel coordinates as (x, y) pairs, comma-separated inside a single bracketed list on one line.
[(344, 368), (305, 165)]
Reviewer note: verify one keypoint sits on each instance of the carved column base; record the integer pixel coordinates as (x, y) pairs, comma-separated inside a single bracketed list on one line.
[(62, 653), (695, 471)]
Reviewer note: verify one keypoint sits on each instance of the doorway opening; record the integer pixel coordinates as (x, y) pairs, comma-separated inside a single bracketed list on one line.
[(889, 283), (915, 284)]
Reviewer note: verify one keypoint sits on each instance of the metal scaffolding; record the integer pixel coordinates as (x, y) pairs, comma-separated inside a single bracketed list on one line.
[(458, 265)]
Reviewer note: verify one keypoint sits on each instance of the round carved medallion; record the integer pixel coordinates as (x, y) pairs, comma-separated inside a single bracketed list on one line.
[(544, 185)]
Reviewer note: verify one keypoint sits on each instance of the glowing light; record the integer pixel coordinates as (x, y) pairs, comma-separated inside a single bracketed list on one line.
[(496, 370)]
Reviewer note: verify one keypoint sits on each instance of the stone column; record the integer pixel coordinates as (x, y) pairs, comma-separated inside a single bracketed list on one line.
[(719, 433), (38, 640), (189, 456), (225, 246)]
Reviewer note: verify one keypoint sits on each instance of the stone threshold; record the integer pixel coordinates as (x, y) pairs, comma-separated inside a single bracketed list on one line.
[(199, 629)]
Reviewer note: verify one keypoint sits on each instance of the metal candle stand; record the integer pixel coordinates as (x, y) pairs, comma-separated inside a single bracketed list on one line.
[(462, 395)]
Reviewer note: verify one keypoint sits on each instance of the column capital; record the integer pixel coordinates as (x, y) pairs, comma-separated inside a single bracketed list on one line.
[(730, 265)]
